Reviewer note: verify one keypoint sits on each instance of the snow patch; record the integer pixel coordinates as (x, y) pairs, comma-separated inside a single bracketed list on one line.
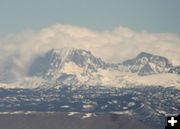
[(72, 113), (88, 115)]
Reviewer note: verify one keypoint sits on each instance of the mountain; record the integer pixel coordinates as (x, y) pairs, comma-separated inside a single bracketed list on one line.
[(74, 80), (70, 66), (175, 70), (66, 65), (147, 64), (56, 59)]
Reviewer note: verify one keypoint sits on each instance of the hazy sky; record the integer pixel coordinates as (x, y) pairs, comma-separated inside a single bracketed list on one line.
[(139, 15), (115, 30)]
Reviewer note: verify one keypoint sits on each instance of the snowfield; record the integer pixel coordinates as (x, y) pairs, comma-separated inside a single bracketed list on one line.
[(103, 78)]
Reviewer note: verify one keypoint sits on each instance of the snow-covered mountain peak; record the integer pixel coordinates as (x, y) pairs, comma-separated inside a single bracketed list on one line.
[(57, 61), (152, 58), (146, 63), (144, 54), (66, 51), (63, 52), (80, 57), (75, 67)]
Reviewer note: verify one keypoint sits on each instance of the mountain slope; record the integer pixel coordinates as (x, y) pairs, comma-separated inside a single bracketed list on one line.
[(75, 67), (146, 64), (175, 70), (56, 59), (66, 65)]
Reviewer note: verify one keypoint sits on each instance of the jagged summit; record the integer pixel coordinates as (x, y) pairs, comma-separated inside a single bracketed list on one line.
[(67, 52), (55, 59), (62, 55), (144, 54), (80, 57), (175, 69), (65, 49), (154, 58), (145, 63), (71, 66)]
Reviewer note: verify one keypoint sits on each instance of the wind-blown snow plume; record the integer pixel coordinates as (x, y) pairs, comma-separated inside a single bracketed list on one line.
[(119, 44)]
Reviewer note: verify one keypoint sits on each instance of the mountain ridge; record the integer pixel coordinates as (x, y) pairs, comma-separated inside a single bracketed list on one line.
[(143, 64), (71, 66)]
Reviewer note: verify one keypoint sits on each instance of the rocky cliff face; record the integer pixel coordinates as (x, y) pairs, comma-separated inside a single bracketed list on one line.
[(147, 64)]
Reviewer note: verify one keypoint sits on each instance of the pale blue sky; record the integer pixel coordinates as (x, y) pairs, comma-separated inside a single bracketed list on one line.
[(139, 15)]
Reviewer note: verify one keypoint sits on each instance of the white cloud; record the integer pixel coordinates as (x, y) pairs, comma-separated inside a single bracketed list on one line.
[(113, 46)]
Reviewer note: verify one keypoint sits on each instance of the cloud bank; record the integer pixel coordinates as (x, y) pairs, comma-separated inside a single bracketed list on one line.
[(114, 45)]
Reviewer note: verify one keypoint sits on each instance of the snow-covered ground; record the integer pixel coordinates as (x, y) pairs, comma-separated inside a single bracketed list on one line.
[(110, 78)]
